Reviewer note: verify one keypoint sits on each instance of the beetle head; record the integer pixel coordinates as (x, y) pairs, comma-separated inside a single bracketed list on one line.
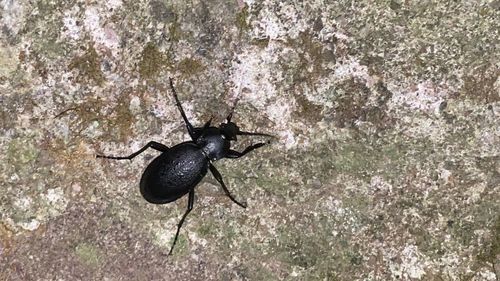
[(229, 130)]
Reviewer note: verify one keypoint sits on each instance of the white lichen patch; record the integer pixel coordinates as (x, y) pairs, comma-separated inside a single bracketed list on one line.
[(102, 35), (421, 107), (487, 275), (29, 225), (280, 111), (12, 15), (279, 22), (135, 105), (92, 19), (487, 138), (342, 70), (288, 138), (8, 60), (23, 203), (347, 215), (55, 201), (113, 4), (254, 76), (425, 98), (71, 29), (412, 265), (420, 127), (32, 214), (269, 27), (474, 193), (162, 237), (449, 263), (352, 69), (377, 183), (197, 240)]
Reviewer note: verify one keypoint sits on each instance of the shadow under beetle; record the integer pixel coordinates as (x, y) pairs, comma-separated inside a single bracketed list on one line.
[(178, 169)]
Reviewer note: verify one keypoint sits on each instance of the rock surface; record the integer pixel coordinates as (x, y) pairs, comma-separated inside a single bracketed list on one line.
[(386, 165)]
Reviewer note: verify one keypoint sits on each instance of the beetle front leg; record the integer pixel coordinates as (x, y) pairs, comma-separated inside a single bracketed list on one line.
[(218, 177), (155, 145), (190, 207), (237, 154)]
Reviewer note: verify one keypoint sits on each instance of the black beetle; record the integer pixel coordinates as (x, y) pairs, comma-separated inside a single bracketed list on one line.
[(177, 170)]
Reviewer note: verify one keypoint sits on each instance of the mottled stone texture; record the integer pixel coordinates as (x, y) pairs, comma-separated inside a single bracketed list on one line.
[(386, 165)]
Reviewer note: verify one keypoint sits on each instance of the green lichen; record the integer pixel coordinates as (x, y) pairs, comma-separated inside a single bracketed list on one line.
[(161, 12), (175, 31), (122, 119), (258, 272), (307, 110), (85, 113), (299, 250), (152, 62), (181, 247), (21, 152), (427, 243), (365, 159), (276, 184), (312, 59), (491, 250), (89, 254), (207, 228), (189, 66), (356, 158), (352, 101), (8, 62), (88, 66), (310, 245), (480, 84), (242, 19), (260, 42), (44, 30)]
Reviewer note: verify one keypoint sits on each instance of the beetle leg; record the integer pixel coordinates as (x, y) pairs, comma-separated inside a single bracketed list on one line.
[(155, 145), (189, 208), (237, 154), (179, 106), (218, 177)]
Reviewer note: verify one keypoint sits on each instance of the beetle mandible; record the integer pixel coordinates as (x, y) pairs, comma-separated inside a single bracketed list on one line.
[(178, 169)]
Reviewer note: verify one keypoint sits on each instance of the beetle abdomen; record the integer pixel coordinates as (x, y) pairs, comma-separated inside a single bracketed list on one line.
[(173, 173)]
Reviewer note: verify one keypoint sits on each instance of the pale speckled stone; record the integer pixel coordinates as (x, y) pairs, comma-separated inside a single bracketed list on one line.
[(385, 165)]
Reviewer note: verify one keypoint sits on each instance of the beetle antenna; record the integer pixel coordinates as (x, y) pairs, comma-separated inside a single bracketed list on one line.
[(243, 133), (207, 124), (228, 118)]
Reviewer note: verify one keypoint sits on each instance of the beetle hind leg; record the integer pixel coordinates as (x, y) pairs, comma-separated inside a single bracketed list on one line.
[(179, 226)]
